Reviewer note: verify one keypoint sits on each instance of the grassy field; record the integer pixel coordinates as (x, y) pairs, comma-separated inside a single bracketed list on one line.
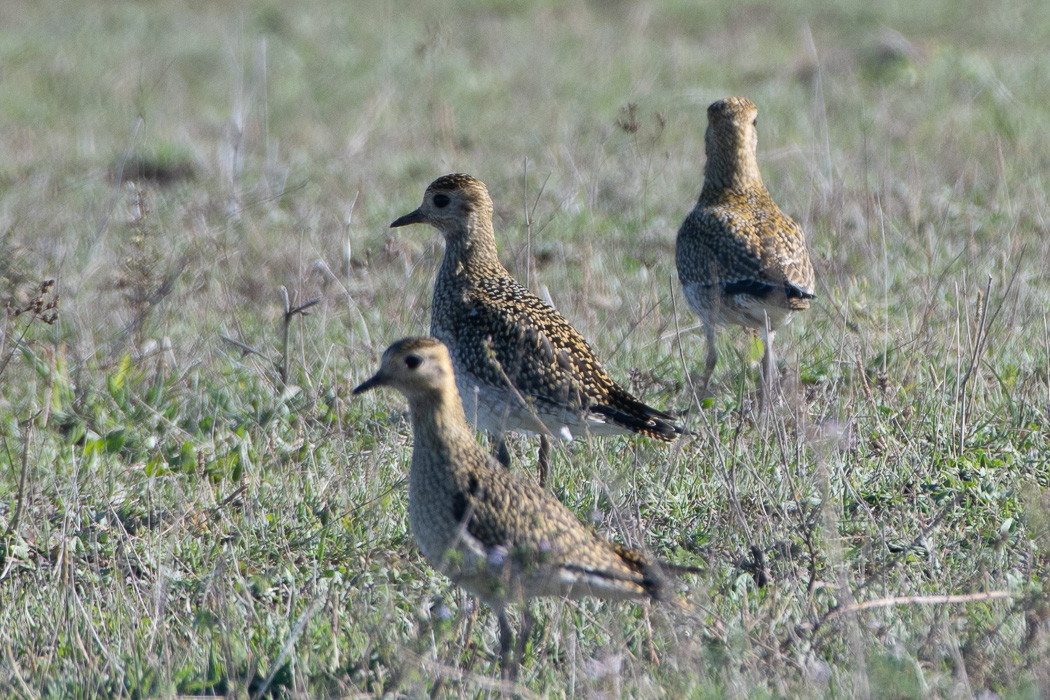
[(191, 502)]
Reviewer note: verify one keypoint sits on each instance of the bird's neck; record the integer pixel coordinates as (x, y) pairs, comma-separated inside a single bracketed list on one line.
[(439, 424), (733, 171), (473, 248)]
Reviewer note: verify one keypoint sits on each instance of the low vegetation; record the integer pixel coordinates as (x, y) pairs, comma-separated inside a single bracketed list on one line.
[(196, 269)]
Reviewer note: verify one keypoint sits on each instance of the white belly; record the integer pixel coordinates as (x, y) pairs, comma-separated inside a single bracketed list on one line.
[(718, 309)]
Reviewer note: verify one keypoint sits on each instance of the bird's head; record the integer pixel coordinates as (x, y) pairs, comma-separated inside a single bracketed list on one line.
[(416, 367), (456, 205)]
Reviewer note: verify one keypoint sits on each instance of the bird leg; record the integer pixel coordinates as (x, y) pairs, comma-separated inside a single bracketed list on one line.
[(650, 647), (544, 461), (712, 358), (769, 366), (472, 617), (508, 663), (528, 621), (502, 453)]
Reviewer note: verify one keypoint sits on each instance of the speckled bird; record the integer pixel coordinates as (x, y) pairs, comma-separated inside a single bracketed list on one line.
[(500, 537), (740, 259), (519, 364)]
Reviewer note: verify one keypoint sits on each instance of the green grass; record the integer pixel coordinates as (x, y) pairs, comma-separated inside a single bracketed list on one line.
[(177, 520)]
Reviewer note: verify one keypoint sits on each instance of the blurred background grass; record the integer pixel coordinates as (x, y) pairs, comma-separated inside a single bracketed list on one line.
[(179, 520)]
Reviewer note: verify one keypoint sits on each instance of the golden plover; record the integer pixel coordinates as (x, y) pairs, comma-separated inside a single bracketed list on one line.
[(487, 529), (519, 364), (740, 259)]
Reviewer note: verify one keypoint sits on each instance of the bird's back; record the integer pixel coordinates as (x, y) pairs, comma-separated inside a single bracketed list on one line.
[(740, 257), (499, 332), (505, 539)]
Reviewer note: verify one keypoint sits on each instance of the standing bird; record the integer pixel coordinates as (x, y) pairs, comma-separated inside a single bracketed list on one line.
[(487, 529), (519, 364), (740, 259)]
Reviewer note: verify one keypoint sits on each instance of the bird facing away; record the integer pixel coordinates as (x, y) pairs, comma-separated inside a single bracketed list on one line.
[(740, 259), (519, 364), (487, 529)]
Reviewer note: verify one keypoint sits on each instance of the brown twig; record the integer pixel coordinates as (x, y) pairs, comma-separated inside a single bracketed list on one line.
[(982, 336), (248, 350), (837, 610), (24, 469), (936, 599), (38, 309), (681, 352), (978, 347), (289, 314), (529, 213)]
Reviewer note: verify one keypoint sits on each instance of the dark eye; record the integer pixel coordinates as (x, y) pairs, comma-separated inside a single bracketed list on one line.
[(441, 201), (755, 122), (413, 361)]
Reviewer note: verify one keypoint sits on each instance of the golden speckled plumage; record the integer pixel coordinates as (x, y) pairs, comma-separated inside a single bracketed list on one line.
[(740, 259), (490, 531), (520, 365)]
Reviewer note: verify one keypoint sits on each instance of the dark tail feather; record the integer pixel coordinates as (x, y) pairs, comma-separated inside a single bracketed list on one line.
[(680, 569), (660, 583), (657, 576), (660, 579), (630, 413), (757, 288)]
